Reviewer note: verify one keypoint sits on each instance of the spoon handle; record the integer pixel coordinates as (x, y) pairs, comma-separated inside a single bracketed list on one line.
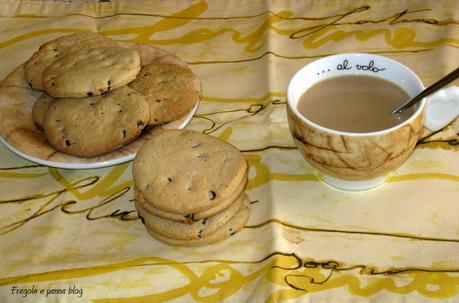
[(431, 89)]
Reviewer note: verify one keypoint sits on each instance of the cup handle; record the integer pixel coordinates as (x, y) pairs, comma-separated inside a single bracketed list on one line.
[(441, 108)]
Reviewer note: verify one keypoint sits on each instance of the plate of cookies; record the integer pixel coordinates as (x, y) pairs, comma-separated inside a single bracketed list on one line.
[(86, 101)]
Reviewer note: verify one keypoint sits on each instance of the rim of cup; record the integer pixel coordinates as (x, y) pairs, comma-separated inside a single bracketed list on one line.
[(293, 104)]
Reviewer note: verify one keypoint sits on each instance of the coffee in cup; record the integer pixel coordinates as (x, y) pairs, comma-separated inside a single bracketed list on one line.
[(354, 103), (344, 154)]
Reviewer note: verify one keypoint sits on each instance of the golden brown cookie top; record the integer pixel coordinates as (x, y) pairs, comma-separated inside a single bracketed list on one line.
[(54, 49), (171, 90), (91, 72), (93, 126), (186, 172)]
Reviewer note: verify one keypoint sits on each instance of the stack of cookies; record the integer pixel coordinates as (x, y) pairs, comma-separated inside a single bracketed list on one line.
[(97, 96), (190, 188)]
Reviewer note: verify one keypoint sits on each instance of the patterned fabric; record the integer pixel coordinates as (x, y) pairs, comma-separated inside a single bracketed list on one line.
[(74, 235)]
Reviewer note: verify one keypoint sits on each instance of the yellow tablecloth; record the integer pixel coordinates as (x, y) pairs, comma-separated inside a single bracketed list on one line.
[(74, 235)]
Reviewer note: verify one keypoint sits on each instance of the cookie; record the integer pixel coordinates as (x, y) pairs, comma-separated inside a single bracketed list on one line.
[(92, 126), (235, 224), (171, 90), (191, 217), (39, 109), (196, 230), (52, 50), (186, 172), (91, 72)]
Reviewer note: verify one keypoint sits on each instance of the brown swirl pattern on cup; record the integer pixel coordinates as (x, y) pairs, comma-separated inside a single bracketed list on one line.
[(355, 158)]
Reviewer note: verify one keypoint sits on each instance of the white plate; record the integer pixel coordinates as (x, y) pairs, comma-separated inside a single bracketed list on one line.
[(20, 135)]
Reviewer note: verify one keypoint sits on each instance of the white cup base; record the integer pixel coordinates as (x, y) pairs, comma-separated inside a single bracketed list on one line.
[(347, 185)]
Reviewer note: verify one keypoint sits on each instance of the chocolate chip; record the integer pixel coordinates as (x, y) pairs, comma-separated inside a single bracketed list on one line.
[(189, 218), (189, 188), (129, 94), (67, 142), (205, 221), (200, 234), (90, 94), (212, 195), (56, 56), (231, 234), (124, 133), (158, 100), (169, 179), (38, 126)]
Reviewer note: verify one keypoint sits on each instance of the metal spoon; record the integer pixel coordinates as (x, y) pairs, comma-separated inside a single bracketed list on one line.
[(431, 89)]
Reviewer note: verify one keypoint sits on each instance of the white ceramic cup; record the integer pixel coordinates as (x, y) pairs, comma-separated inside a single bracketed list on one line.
[(359, 161)]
